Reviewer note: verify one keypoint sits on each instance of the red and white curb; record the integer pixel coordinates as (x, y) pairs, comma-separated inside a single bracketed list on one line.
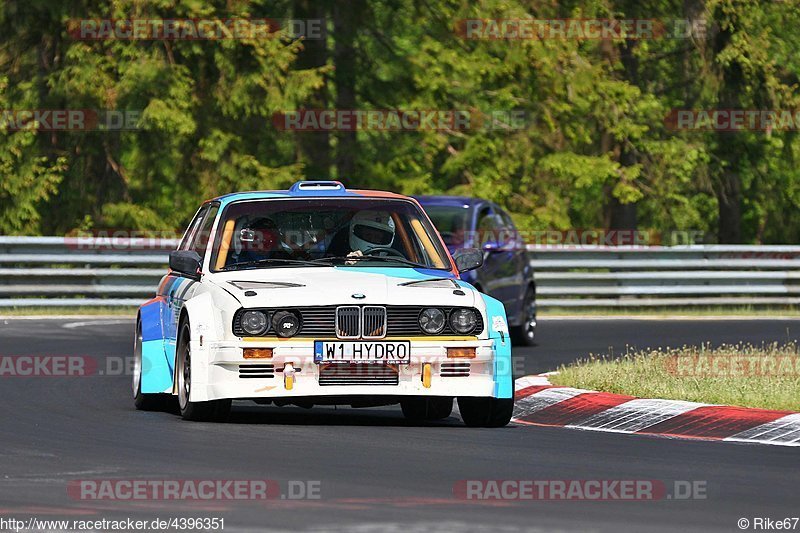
[(539, 402)]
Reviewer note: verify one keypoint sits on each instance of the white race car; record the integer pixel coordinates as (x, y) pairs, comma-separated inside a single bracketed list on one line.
[(322, 295)]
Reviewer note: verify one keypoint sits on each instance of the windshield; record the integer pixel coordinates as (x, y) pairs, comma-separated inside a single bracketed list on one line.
[(451, 221), (318, 232)]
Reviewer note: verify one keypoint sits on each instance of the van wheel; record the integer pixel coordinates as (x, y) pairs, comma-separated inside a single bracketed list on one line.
[(523, 335)]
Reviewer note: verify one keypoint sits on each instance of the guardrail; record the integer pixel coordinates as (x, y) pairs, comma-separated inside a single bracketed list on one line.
[(80, 272), (699, 275), (67, 272)]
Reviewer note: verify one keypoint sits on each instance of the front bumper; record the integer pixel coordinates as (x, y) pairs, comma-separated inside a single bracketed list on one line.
[(217, 371)]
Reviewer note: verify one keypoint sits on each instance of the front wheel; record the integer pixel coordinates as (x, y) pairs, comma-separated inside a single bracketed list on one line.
[(485, 412), (210, 411), (524, 334)]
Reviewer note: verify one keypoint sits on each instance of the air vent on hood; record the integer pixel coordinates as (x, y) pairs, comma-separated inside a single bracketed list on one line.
[(248, 285)]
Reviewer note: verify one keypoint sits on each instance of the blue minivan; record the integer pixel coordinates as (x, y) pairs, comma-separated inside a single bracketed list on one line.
[(506, 273)]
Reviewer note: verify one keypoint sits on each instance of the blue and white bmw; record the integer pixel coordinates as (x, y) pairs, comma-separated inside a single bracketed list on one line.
[(322, 295)]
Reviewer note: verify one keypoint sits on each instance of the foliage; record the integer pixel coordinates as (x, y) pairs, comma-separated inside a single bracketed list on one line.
[(593, 149)]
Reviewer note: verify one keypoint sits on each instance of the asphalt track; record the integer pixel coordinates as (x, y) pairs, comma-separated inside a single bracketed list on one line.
[(376, 472)]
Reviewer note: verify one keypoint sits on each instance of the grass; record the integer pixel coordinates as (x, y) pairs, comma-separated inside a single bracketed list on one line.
[(744, 375), (738, 311), (68, 311)]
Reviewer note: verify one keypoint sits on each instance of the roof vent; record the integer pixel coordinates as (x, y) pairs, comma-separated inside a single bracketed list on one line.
[(314, 188)]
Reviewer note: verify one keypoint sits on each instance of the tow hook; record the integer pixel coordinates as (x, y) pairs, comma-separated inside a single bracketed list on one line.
[(288, 376)]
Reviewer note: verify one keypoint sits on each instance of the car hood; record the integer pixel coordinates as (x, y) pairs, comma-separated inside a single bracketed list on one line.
[(277, 287)]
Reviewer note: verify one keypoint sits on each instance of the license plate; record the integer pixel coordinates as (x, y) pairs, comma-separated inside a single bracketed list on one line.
[(362, 352)]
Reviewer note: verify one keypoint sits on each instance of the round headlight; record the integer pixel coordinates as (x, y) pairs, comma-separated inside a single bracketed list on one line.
[(463, 320), (285, 324), (431, 320), (254, 322)]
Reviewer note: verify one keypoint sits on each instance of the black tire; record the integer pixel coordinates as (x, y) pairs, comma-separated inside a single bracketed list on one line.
[(418, 409), (144, 402), (485, 412), (524, 334), (210, 411)]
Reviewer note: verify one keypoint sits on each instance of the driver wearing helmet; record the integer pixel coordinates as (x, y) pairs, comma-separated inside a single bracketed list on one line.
[(370, 230)]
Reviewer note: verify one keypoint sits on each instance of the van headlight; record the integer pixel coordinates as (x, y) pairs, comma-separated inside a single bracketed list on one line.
[(463, 320), (432, 320)]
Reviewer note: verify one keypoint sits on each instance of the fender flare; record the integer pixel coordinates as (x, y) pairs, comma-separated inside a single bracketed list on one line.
[(196, 312), (497, 327)]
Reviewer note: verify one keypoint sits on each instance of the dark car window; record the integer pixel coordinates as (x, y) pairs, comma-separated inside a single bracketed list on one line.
[(489, 221), (452, 222), (200, 241), (510, 233), (490, 227), (508, 222), (496, 227), (193, 228)]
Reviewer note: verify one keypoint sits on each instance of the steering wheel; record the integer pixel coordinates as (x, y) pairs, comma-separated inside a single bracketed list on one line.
[(388, 250)]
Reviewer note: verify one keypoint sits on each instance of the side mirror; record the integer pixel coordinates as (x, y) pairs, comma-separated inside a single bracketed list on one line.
[(187, 262), (468, 259)]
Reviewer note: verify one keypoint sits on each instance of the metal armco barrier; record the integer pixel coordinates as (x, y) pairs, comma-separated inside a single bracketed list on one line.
[(74, 272), (656, 276), (80, 272)]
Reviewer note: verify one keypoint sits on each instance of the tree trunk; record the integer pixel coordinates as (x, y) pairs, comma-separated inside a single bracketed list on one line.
[(622, 216), (729, 196), (729, 149), (345, 25), (314, 146)]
